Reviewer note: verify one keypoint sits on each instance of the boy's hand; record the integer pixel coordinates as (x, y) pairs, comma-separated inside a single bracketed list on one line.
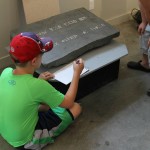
[(46, 75), (78, 66)]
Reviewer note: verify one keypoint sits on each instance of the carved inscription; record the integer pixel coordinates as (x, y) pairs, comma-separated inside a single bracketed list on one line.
[(69, 23)]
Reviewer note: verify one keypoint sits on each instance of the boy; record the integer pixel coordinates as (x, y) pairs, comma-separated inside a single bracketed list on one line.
[(32, 112)]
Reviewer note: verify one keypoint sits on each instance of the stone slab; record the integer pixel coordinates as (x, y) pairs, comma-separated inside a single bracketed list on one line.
[(73, 33)]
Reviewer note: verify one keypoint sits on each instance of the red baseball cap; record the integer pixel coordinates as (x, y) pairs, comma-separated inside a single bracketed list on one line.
[(27, 45)]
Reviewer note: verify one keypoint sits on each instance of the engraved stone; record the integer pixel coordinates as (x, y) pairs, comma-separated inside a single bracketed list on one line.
[(73, 33)]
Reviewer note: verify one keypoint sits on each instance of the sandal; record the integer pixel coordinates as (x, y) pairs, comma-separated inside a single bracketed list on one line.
[(137, 66)]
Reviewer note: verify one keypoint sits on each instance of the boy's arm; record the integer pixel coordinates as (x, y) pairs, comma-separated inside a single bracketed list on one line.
[(72, 91)]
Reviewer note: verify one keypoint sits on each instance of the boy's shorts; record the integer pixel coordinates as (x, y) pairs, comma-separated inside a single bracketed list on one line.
[(50, 124), (144, 42)]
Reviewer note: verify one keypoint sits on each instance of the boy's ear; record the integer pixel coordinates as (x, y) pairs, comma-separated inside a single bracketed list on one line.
[(33, 61)]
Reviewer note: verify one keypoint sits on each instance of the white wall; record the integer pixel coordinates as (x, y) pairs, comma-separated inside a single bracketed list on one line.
[(66, 5), (113, 11), (106, 9), (131, 4), (9, 20)]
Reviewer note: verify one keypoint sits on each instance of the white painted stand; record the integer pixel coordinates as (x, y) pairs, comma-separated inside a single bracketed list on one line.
[(98, 58)]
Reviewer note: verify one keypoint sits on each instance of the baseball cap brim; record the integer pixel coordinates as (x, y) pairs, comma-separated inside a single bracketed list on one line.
[(47, 44)]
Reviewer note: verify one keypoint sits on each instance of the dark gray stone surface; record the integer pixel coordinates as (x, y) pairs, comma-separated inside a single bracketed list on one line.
[(73, 33)]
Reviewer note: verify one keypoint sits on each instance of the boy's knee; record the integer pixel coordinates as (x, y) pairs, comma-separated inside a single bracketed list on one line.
[(76, 110)]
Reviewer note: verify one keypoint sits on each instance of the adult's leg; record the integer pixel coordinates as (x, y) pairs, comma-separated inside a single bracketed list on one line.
[(145, 62), (144, 49)]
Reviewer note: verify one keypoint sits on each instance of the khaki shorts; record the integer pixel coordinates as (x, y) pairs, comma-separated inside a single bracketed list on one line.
[(144, 42)]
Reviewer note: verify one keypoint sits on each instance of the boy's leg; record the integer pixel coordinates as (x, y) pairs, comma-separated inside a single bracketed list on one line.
[(67, 116), (76, 110), (51, 124), (42, 135), (43, 107)]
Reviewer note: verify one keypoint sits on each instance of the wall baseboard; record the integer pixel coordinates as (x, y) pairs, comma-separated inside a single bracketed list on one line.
[(119, 19), (6, 60)]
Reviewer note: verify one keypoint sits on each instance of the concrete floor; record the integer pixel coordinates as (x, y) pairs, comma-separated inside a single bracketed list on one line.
[(116, 116)]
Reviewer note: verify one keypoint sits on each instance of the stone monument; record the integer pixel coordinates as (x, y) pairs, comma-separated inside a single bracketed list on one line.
[(73, 33)]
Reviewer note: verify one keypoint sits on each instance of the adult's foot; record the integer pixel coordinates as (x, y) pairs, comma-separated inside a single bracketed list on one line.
[(137, 66)]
